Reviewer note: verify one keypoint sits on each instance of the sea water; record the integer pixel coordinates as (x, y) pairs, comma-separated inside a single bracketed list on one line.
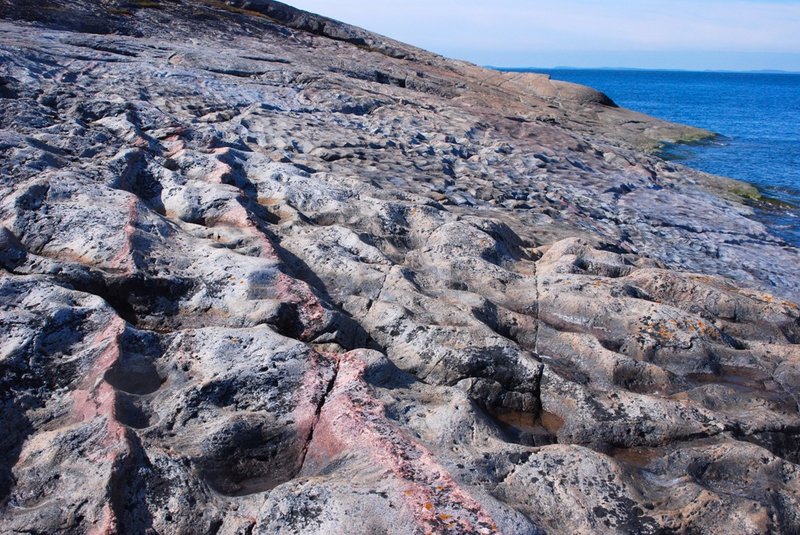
[(756, 114)]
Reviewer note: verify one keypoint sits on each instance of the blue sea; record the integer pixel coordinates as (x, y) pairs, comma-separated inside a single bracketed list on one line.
[(757, 116)]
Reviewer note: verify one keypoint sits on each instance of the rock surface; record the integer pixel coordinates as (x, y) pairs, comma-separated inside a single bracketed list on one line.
[(264, 272)]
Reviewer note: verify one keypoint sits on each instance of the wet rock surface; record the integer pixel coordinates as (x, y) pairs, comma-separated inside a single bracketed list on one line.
[(263, 272)]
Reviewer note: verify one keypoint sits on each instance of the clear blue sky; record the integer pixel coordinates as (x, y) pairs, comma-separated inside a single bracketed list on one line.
[(681, 34)]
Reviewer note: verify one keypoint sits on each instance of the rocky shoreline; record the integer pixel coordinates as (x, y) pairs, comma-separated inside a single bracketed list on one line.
[(265, 272)]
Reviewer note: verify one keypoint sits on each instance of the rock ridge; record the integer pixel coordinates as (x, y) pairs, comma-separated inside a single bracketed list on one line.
[(266, 272)]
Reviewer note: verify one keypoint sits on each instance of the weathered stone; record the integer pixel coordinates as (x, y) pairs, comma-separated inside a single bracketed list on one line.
[(265, 272)]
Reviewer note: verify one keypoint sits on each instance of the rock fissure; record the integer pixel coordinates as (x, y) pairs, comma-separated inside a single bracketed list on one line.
[(318, 410), (303, 199)]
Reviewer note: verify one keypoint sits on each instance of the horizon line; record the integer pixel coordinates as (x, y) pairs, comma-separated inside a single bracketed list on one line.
[(659, 69)]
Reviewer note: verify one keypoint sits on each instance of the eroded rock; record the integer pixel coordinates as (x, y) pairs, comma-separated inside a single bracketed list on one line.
[(264, 272)]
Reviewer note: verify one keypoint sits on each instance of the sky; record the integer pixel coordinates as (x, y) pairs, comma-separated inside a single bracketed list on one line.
[(674, 34)]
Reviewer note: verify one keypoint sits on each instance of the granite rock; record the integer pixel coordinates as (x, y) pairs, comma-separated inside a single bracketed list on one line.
[(266, 272)]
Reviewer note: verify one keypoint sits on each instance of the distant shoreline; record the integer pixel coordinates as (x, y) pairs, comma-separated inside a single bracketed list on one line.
[(635, 69)]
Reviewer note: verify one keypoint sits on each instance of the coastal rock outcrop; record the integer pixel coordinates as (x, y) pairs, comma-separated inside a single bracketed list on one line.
[(265, 272)]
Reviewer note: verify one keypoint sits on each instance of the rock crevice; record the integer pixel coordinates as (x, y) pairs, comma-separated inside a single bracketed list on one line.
[(264, 272)]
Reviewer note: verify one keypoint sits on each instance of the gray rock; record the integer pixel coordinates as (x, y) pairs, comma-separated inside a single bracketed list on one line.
[(265, 272)]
